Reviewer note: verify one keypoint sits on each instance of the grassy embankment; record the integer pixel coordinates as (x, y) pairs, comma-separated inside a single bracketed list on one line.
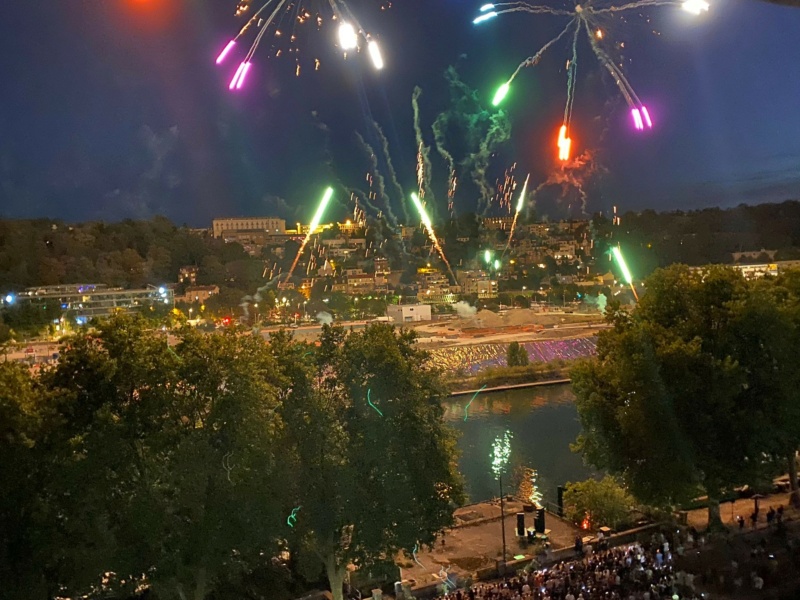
[(499, 376)]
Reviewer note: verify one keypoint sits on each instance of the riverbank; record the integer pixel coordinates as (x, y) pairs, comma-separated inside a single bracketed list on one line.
[(507, 378), (505, 388), (723, 563)]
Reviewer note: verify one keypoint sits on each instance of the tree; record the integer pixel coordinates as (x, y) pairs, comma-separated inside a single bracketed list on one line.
[(516, 355), (597, 503), (785, 371), (23, 425), (168, 463), (676, 402), (373, 462), (521, 301), (528, 490)]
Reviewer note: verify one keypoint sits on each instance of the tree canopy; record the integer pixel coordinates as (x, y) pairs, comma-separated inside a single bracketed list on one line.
[(374, 467), (133, 464), (693, 391), (516, 355)]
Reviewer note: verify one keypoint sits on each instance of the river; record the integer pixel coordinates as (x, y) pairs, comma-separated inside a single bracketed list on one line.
[(543, 421)]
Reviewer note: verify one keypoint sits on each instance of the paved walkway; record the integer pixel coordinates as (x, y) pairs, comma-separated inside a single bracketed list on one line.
[(476, 542), (744, 507)]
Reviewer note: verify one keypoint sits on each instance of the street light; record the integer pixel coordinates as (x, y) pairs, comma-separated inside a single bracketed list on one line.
[(501, 452)]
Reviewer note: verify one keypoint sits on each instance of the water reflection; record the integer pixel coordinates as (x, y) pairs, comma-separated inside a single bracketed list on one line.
[(543, 421)]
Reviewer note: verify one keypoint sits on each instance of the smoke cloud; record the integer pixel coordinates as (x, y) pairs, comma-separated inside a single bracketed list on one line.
[(398, 189), (600, 302), (324, 318), (477, 132), (465, 310), (379, 179), (571, 179)]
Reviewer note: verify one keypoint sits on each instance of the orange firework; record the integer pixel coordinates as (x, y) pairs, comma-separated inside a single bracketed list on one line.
[(564, 144)]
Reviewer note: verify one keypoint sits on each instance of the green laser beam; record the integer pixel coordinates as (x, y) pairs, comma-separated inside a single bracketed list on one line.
[(475, 395), (378, 410), (292, 518)]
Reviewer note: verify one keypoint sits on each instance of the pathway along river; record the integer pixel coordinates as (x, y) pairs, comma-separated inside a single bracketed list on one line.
[(543, 421)]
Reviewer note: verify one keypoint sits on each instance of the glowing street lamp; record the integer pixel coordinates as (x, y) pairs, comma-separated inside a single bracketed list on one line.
[(501, 453)]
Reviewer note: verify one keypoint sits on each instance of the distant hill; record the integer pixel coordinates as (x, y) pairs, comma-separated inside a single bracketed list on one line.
[(712, 235)]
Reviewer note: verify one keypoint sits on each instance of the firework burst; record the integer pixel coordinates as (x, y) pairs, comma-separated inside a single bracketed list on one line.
[(593, 19), (280, 20)]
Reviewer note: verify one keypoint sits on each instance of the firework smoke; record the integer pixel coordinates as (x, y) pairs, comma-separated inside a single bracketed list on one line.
[(397, 188), (378, 178), (573, 176)]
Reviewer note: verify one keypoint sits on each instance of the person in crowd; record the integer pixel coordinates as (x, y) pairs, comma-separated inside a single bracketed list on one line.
[(631, 572)]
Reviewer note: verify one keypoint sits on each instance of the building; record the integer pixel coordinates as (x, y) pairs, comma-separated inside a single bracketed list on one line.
[(188, 274), (84, 301), (382, 266), (341, 247), (268, 224), (407, 232), (478, 283), (359, 283), (752, 271), (381, 284), (350, 227), (565, 251), (433, 287), (198, 293), (541, 230), (754, 255), (408, 313), (498, 223)]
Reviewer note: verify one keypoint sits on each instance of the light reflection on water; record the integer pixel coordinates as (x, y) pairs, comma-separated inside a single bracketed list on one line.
[(543, 421)]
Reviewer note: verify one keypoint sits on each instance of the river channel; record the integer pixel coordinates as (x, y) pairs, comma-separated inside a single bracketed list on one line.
[(543, 421)]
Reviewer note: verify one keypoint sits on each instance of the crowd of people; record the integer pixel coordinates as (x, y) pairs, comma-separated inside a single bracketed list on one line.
[(634, 572)]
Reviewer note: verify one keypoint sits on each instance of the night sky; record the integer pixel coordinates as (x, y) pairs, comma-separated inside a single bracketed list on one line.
[(113, 108)]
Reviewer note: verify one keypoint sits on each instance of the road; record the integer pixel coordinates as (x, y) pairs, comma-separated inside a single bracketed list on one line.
[(431, 334)]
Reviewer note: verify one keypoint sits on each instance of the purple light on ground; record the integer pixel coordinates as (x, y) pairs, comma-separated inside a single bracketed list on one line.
[(224, 53), (478, 357)]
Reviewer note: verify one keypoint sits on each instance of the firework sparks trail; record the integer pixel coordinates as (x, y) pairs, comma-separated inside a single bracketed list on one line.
[(421, 171), (626, 273), (351, 35), (520, 206), (451, 193), (426, 221), (423, 152), (505, 190), (584, 17), (532, 61), (312, 228), (438, 127)]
